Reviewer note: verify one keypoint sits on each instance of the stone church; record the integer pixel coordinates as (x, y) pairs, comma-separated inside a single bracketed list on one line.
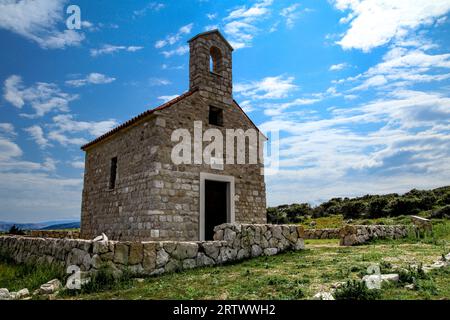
[(133, 190)]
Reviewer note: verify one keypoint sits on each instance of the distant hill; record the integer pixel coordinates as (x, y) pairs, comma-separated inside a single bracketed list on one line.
[(6, 225), (71, 225), (430, 203)]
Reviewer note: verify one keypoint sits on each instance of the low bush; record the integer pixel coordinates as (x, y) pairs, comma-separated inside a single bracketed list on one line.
[(356, 290), (411, 275)]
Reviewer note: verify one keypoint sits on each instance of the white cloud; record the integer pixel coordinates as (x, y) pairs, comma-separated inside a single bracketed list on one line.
[(42, 97), (65, 123), (77, 164), (172, 39), (7, 128), (337, 67), (240, 24), (267, 88), (405, 144), (30, 196), (167, 98), (401, 67), (64, 127), (374, 23), (92, 78), (66, 140), (152, 6), (277, 109), (11, 91), (290, 14), (158, 82), (37, 21), (37, 134), (110, 49), (181, 50), (8, 149), (257, 10), (211, 16)]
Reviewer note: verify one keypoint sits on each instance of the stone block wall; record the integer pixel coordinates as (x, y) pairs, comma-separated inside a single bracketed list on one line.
[(232, 242), (359, 234), (330, 233), (70, 234)]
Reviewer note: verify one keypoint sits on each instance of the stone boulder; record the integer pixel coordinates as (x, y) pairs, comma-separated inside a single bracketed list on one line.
[(50, 287), (4, 294)]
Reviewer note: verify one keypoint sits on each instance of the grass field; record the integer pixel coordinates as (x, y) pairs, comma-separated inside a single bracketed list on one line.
[(291, 275)]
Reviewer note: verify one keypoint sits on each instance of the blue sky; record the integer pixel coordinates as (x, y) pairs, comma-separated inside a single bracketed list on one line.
[(359, 90)]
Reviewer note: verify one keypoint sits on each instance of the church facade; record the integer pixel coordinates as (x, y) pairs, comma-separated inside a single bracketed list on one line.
[(135, 190)]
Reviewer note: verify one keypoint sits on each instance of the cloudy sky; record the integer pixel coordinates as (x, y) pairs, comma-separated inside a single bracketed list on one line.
[(359, 89)]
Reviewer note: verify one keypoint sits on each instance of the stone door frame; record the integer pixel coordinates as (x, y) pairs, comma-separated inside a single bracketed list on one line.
[(230, 199)]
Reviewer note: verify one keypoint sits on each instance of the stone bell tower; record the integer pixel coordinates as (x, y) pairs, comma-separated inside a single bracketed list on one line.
[(210, 65)]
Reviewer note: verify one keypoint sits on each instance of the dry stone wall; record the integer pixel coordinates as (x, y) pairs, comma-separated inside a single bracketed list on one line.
[(330, 233), (232, 242), (70, 234), (359, 234)]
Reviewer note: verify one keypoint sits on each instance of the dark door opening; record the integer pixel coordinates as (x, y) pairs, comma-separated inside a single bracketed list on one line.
[(216, 209)]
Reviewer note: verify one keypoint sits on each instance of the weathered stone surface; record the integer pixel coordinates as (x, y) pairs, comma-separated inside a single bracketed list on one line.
[(100, 247), (189, 264), (218, 235), (300, 244), (50, 287), (87, 261), (270, 251), (243, 253), (96, 261), (136, 253), (149, 256), (121, 253), (4, 294), (229, 235), (256, 250), (185, 250), (162, 258), (23, 293), (372, 280), (203, 260), (212, 249), (359, 234), (173, 265), (323, 296), (226, 254)]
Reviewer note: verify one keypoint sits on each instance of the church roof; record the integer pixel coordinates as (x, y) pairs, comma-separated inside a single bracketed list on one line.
[(138, 117), (210, 32)]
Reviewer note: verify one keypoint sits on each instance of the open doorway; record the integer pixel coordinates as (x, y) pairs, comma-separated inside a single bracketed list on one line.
[(215, 206), (216, 203)]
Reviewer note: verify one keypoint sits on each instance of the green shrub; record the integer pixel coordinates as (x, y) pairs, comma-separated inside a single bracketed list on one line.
[(369, 206), (404, 206), (16, 231), (411, 275), (377, 207), (443, 212), (356, 290), (354, 209)]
